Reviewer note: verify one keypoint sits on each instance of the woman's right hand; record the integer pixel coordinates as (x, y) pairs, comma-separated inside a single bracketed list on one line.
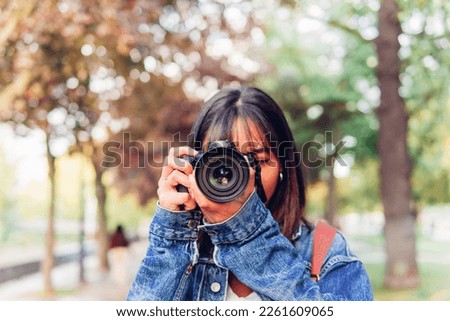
[(176, 172)]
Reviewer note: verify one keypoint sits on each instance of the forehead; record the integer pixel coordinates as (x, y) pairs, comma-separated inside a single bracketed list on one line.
[(248, 136)]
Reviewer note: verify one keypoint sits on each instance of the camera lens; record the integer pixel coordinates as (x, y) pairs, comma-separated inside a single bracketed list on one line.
[(222, 175)]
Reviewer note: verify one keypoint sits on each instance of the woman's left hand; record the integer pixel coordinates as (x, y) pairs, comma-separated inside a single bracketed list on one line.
[(219, 212)]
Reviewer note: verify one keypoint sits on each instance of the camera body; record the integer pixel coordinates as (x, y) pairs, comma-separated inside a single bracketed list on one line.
[(222, 172)]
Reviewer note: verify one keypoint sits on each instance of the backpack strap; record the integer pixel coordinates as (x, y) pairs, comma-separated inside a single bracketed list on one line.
[(323, 238)]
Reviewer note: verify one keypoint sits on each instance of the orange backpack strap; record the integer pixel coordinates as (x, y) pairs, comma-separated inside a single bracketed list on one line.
[(323, 238)]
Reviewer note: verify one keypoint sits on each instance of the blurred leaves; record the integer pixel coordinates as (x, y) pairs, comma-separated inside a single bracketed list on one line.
[(101, 69), (11, 13), (323, 74), (86, 72)]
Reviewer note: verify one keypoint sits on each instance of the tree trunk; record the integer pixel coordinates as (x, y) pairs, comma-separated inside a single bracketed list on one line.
[(48, 261), (81, 235), (102, 233), (395, 168)]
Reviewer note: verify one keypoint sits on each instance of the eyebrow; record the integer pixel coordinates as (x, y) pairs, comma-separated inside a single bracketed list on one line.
[(259, 150)]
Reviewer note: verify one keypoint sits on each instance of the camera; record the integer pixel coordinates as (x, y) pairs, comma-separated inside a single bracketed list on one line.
[(222, 172)]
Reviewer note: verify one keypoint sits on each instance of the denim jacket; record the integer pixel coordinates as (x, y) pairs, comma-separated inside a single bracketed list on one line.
[(251, 246)]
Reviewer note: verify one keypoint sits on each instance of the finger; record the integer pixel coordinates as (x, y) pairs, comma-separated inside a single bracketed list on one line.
[(166, 170), (177, 152), (172, 200), (193, 189), (176, 158), (190, 204), (195, 193), (176, 178), (173, 161), (166, 201), (180, 164)]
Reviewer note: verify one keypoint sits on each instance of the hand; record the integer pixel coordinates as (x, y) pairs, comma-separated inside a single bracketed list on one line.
[(175, 172), (219, 212)]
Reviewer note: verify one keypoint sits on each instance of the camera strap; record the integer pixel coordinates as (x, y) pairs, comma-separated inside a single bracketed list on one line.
[(323, 238), (258, 183)]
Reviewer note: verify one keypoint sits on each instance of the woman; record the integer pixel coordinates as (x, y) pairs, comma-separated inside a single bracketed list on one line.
[(118, 255), (243, 249)]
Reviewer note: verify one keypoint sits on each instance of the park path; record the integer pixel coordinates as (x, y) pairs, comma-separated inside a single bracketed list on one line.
[(104, 287), (98, 286)]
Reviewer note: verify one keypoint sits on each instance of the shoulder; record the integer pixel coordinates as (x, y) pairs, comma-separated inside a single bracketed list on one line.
[(341, 272), (339, 251)]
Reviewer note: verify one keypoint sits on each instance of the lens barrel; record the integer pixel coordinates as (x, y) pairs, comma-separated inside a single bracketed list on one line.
[(222, 173)]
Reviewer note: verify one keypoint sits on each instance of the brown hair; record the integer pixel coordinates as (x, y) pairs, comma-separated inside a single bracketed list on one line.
[(215, 122)]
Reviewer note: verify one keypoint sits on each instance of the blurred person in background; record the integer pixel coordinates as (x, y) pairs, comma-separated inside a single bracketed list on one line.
[(118, 254)]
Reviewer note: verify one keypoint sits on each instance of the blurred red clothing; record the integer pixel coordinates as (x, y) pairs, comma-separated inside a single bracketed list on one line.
[(118, 239)]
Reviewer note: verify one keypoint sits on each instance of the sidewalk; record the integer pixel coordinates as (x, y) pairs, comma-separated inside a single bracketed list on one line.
[(98, 286)]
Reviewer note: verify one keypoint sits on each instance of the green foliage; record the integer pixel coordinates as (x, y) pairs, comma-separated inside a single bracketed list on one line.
[(330, 67), (425, 86), (363, 128), (345, 33), (125, 210), (362, 185), (325, 82)]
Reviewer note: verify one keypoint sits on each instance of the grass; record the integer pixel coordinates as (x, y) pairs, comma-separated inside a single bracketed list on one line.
[(433, 262), (435, 284)]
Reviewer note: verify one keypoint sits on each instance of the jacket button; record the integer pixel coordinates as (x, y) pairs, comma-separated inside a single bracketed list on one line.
[(192, 224), (215, 287)]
